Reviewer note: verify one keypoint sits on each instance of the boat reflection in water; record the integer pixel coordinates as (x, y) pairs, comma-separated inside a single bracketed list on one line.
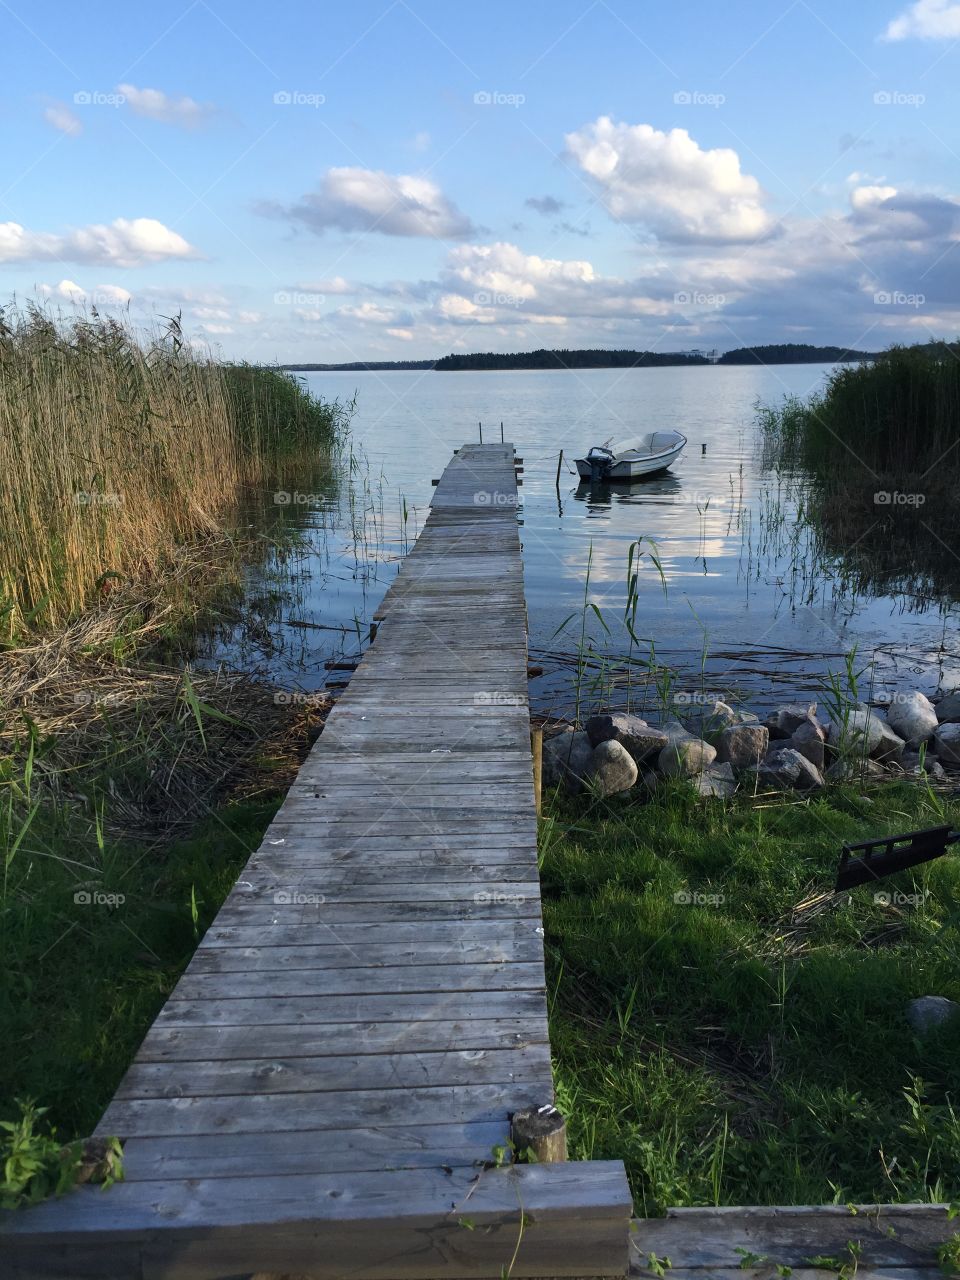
[(601, 496)]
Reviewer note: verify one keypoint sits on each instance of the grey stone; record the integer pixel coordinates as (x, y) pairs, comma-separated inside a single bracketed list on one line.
[(705, 719), (612, 769), (629, 730), (855, 769), (566, 759), (948, 708), (742, 745), (784, 769), (808, 739), (909, 762), (947, 743), (858, 730), (683, 757), (927, 1012), (912, 716), (716, 780), (785, 721), (891, 745)]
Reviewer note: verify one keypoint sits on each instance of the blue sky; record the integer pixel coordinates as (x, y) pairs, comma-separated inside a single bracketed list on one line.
[(397, 180)]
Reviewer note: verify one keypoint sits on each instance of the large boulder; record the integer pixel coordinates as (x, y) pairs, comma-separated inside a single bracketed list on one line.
[(808, 738), (566, 759), (716, 780), (786, 720), (913, 717), (857, 731), (639, 739), (708, 717), (927, 1012), (612, 769), (742, 745), (784, 769), (891, 746), (948, 708), (685, 757), (946, 740)]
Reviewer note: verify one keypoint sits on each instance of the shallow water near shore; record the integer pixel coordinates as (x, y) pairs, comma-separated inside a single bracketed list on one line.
[(752, 610)]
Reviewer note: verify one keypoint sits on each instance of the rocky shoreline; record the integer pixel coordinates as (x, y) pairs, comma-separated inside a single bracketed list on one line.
[(721, 750)]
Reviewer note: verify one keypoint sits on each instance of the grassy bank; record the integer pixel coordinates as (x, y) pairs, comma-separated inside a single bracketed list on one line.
[(731, 1029), (117, 447)]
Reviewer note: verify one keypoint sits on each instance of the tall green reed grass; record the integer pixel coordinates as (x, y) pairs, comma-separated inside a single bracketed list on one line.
[(116, 446)]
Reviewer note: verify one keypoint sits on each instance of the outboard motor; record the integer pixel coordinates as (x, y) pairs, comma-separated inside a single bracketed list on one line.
[(601, 460)]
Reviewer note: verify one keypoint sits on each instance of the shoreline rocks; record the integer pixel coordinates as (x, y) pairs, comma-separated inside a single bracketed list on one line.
[(717, 749), (913, 717)]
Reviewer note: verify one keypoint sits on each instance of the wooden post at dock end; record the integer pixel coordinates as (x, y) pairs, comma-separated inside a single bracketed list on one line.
[(540, 1134), (536, 750)]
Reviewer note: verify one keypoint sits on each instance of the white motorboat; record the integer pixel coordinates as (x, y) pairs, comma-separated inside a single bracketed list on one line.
[(630, 459)]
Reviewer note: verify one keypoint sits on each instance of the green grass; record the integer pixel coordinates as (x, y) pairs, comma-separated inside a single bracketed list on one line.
[(728, 1052), (83, 982)]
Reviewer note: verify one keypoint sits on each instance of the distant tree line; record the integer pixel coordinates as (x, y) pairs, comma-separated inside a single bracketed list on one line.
[(793, 353), (566, 359), (359, 366)]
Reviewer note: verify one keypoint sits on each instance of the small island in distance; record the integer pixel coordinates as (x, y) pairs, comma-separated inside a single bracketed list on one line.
[(773, 353)]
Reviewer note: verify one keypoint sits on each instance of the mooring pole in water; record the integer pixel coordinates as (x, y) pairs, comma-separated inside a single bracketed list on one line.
[(559, 465), (703, 448), (501, 433), (480, 425)]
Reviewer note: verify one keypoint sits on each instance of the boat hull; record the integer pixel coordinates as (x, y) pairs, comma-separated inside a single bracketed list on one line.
[(632, 468)]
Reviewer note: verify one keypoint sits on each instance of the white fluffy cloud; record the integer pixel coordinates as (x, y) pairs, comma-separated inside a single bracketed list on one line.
[(102, 295), (926, 20), (355, 199), (126, 242), (668, 183), (154, 104), (61, 118)]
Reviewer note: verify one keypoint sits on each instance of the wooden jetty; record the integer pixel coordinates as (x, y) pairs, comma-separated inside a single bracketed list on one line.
[(328, 1090)]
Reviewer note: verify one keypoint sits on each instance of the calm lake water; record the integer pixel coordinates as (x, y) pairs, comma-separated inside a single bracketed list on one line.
[(742, 585)]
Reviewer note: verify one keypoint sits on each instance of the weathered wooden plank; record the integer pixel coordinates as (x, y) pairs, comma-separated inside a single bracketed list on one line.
[(340, 1072), (223, 1044), (485, 934), (245, 1155), (426, 978), (281, 890), (407, 1223), (310, 1010), (890, 1235), (276, 1112), (329, 914)]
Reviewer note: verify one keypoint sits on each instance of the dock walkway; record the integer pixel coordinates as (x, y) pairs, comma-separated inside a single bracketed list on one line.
[(327, 1091)]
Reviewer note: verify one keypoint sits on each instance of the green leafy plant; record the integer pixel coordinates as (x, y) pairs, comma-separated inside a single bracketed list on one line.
[(36, 1165)]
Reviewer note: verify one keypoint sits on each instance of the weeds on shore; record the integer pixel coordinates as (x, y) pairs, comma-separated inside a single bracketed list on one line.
[(116, 448), (879, 467)]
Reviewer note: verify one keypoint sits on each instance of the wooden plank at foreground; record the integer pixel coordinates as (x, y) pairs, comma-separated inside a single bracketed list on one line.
[(326, 1087), (702, 1240), (412, 1224)]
